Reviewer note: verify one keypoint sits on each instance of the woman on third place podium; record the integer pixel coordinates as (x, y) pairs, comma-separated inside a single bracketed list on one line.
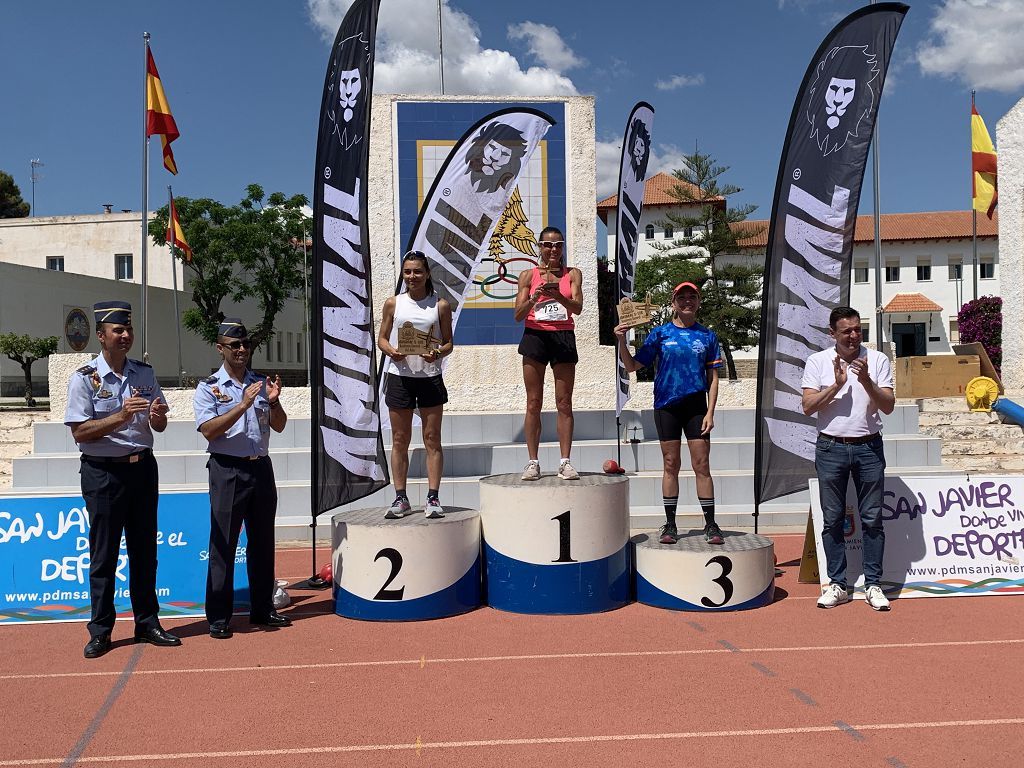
[(548, 296), (414, 381), (685, 394)]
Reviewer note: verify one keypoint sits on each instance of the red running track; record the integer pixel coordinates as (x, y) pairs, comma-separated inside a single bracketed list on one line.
[(935, 682)]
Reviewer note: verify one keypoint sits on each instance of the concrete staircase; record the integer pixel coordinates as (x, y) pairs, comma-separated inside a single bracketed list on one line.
[(478, 444), (973, 442)]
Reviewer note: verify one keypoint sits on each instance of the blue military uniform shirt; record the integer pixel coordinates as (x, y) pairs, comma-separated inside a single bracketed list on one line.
[(218, 394), (96, 392)]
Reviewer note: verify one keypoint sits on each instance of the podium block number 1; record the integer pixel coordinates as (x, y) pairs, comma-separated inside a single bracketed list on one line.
[(564, 555)]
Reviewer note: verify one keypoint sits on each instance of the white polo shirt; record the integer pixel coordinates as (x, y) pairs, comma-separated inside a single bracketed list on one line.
[(851, 413)]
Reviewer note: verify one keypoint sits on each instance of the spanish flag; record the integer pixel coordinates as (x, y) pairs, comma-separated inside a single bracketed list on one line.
[(175, 234), (984, 189), (158, 113)]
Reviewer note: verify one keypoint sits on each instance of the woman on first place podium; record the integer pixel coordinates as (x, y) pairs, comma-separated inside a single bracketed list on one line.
[(685, 394), (547, 298), (414, 381)]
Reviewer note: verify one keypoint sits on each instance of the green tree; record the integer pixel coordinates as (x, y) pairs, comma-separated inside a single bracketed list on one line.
[(239, 252), (25, 350), (730, 282), (11, 204)]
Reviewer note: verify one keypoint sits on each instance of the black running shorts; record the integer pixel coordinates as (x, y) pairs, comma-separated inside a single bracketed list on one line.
[(549, 346), (683, 417), (402, 392)]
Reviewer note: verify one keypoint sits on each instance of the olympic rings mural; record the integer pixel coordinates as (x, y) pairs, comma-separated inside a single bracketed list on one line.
[(501, 275)]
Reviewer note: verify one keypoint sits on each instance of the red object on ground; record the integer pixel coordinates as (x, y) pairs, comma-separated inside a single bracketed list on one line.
[(611, 466), (326, 572)]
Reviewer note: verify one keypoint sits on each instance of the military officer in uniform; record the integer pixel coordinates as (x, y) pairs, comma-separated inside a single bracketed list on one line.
[(235, 410), (114, 404)]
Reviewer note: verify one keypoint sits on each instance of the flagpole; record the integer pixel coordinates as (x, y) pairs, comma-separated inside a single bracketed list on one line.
[(440, 43), (145, 195), (174, 281), (974, 224), (878, 235)]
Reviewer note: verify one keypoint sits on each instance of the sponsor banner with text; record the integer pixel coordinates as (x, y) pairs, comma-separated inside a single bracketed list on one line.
[(44, 548), (945, 536)]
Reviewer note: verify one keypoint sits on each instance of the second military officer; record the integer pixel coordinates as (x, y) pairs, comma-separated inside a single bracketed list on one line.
[(235, 410)]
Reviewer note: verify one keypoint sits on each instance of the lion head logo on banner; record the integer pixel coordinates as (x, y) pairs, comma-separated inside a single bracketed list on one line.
[(495, 156), (639, 143), (842, 95), (347, 93)]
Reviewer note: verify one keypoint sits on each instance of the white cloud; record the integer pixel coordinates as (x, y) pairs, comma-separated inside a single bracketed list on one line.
[(977, 42), (407, 52), (546, 44), (679, 81), (664, 157)]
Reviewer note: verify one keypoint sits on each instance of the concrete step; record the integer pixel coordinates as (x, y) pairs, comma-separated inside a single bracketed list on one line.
[(15, 450), (983, 447), (959, 417), (981, 432), (17, 419), (468, 460), (938, 404), (19, 434), (1013, 465), (474, 428)]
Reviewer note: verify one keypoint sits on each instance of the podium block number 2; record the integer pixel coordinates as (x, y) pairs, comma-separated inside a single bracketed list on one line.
[(395, 558)]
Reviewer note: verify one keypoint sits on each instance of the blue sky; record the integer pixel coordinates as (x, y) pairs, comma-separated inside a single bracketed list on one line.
[(244, 80)]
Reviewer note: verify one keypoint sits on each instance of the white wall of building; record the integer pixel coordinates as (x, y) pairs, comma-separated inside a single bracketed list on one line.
[(88, 244)]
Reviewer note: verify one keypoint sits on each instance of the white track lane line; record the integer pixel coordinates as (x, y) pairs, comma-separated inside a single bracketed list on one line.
[(418, 745), (522, 657)]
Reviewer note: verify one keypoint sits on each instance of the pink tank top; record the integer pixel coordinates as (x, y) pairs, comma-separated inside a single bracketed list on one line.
[(548, 314)]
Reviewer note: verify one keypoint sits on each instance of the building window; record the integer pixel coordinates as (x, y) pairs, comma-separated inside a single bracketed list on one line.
[(669, 232), (892, 272), (290, 346), (280, 356), (123, 266), (956, 269), (865, 332), (924, 271), (954, 332), (860, 273), (56, 263), (270, 350), (649, 232), (987, 269), (298, 349), (688, 232)]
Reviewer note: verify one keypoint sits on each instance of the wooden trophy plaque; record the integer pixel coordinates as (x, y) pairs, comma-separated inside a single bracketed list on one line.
[(414, 342), (635, 313)]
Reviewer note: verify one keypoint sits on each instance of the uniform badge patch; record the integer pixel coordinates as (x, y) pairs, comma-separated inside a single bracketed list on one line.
[(104, 394), (221, 397)]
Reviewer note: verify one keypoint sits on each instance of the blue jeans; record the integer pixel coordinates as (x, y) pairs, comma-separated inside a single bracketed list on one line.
[(835, 463)]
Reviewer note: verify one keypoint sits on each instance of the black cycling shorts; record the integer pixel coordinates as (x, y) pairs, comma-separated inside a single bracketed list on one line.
[(406, 392), (549, 346), (682, 417)]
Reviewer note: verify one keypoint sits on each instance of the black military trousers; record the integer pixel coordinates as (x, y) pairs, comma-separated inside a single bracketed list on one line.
[(121, 497), (240, 491)]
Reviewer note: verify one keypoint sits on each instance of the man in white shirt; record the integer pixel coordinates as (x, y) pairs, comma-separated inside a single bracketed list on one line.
[(847, 385)]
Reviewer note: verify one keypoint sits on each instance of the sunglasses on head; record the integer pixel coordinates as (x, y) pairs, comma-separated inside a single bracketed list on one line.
[(236, 345), (552, 243)]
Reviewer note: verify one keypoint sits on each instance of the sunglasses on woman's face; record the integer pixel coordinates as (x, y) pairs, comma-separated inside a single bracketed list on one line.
[(552, 244)]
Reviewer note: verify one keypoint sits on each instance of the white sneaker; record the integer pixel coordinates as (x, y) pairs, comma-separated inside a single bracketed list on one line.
[(876, 598), (531, 471), (566, 471), (832, 596)]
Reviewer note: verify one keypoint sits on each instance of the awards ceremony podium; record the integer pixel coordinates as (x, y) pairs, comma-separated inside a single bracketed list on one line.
[(405, 569), (692, 575), (555, 546)]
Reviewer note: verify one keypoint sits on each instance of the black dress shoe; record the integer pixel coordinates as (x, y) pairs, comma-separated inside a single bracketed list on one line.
[(219, 630), (272, 619), (156, 636), (97, 646)]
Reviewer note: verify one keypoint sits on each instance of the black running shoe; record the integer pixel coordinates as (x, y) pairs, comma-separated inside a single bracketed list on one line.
[(713, 534), (669, 534)]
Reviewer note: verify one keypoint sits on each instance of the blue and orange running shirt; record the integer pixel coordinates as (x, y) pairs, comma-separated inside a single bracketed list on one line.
[(683, 357)]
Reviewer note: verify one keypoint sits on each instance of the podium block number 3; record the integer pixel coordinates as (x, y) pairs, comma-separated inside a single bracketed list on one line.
[(721, 580), (395, 557), (564, 555)]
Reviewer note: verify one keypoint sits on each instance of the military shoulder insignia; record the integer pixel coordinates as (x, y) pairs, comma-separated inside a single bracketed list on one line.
[(85, 370), (210, 380)]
